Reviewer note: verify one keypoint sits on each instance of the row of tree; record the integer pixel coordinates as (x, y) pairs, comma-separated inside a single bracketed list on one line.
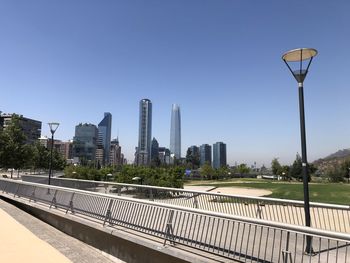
[(333, 174), (157, 176), (16, 154)]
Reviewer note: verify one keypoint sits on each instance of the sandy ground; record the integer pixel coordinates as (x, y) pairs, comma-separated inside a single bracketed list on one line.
[(20, 245), (230, 190)]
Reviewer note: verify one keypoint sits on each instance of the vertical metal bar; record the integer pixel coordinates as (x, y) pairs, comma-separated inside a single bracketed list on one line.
[(54, 199), (238, 229), (247, 244), (253, 248), (231, 238), (226, 233), (194, 228), (108, 212), (70, 205), (273, 244), (308, 248), (266, 242)]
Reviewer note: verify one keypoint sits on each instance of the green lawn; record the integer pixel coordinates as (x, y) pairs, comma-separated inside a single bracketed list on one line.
[(319, 192)]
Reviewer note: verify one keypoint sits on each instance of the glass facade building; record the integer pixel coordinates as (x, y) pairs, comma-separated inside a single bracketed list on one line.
[(145, 133), (31, 128), (205, 154), (175, 132), (219, 155), (85, 142), (104, 136)]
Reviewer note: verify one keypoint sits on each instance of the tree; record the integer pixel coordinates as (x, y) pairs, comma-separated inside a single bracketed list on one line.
[(345, 169), (276, 166), (295, 170), (192, 159), (334, 174), (243, 168), (284, 172), (207, 171), (13, 151)]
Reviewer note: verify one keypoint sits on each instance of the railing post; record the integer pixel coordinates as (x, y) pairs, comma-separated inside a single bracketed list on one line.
[(151, 195), (195, 201), (32, 196), (14, 195), (109, 213), (53, 202), (258, 210), (287, 255), (169, 232), (70, 206), (3, 191)]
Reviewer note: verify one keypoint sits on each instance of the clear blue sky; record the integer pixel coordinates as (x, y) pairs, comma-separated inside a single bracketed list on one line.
[(220, 60)]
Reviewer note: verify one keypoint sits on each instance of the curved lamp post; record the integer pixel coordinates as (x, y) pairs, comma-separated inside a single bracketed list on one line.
[(295, 58), (53, 128)]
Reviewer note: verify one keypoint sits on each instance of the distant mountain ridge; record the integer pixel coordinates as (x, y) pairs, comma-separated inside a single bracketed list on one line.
[(339, 154), (332, 160)]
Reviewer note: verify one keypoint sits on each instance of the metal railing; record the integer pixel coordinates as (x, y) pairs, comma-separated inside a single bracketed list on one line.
[(323, 216), (233, 237)]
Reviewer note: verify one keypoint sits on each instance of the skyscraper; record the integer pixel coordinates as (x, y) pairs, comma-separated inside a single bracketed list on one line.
[(104, 136), (154, 150), (175, 132), (31, 128), (145, 133), (115, 154), (85, 142), (219, 155), (205, 154)]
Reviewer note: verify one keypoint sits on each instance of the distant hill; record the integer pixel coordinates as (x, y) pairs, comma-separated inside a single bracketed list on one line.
[(332, 160), (339, 154)]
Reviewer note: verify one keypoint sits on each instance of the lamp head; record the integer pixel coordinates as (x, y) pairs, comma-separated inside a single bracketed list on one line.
[(53, 126), (298, 56)]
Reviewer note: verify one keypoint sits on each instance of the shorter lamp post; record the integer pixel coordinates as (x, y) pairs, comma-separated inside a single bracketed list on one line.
[(53, 128), (296, 57)]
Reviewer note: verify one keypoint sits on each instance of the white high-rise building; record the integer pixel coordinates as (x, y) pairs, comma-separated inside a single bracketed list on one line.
[(143, 153), (175, 132)]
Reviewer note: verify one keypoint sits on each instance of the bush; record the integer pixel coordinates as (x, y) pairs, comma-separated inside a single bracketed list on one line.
[(334, 175)]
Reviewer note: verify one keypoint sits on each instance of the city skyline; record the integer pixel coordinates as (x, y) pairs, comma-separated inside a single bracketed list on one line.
[(219, 60)]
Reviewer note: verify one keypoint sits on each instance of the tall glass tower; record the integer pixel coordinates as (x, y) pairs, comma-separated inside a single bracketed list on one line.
[(143, 155), (175, 131), (104, 136), (219, 155)]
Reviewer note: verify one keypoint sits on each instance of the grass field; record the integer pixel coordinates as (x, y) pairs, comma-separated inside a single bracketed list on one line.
[(336, 193)]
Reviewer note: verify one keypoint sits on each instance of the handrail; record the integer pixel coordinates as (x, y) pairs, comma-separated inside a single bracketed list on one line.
[(295, 228), (289, 201), (232, 236)]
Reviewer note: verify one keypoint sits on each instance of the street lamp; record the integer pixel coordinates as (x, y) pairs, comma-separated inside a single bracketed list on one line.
[(53, 128), (295, 58)]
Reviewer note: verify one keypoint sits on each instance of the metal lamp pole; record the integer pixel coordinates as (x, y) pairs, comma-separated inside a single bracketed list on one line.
[(297, 56), (53, 128)]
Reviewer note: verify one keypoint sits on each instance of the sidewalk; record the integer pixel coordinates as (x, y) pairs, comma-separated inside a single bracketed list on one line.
[(18, 244)]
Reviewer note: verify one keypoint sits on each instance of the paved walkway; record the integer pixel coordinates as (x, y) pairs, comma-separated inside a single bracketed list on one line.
[(20, 245), (25, 238)]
